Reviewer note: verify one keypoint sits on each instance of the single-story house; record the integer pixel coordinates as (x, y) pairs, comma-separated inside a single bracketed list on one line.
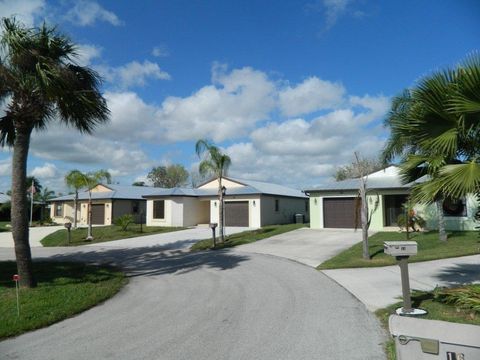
[(247, 203), (333, 205), (108, 202)]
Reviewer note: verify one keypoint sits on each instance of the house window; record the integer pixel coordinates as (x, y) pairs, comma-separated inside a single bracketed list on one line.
[(159, 209), (455, 207), (58, 210), (135, 207), (306, 205), (277, 205)]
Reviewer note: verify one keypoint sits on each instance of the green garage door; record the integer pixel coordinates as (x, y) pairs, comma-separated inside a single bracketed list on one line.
[(339, 213), (236, 213), (98, 214)]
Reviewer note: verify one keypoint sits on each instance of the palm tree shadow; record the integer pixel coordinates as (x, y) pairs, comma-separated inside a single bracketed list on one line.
[(460, 274), (156, 260)]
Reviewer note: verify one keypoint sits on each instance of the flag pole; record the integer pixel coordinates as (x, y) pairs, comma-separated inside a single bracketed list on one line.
[(31, 205)]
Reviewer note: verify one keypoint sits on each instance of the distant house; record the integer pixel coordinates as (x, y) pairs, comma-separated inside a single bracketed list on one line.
[(333, 205), (247, 203), (108, 203)]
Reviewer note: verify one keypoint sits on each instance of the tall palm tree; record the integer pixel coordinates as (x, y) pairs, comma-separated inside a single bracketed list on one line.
[(214, 163), (75, 180), (43, 196), (90, 180), (40, 83), (435, 130)]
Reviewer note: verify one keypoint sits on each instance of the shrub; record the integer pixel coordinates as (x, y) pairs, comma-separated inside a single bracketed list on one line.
[(124, 220)]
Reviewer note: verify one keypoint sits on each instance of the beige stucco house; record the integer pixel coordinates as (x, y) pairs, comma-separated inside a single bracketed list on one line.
[(247, 203), (108, 203), (333, 205)]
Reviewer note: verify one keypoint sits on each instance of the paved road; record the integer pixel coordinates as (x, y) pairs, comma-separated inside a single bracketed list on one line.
[(305, 245), (209, 305)]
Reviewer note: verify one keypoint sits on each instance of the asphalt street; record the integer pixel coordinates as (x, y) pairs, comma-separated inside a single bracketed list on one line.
[(209, 305)]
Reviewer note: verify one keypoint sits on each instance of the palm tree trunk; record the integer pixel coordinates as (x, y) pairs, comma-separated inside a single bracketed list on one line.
[(19, 211), (75, 205), (89, 216), (220, 210), (442, 234)]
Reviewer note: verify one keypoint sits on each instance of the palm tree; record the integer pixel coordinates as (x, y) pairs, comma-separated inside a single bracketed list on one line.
[(214, 163), (75, 180), (40, 83), (90, 180), (435, 130), (43, 197)]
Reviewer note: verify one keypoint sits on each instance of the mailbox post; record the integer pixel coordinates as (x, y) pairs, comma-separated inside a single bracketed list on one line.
[(213, 226), (402, 250), (68, 226)]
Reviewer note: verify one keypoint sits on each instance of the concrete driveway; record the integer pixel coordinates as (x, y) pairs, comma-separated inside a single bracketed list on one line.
[(36, 234), (305, 245)]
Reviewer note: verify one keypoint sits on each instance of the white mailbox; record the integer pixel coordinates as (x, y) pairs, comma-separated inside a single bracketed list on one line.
[(400, 248)]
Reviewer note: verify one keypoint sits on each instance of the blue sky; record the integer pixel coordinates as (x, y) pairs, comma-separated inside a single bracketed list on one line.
[(289, 89)]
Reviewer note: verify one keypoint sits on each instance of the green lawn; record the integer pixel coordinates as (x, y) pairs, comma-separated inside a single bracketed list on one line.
[(64, 289), (102, 234), (3, 226), (459, 243), (247, 236), (436, 311)]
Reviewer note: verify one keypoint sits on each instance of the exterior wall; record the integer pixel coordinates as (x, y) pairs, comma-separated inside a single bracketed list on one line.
[(225, 182), (173, 212), (82, 212), (430, 214), (123, 207), (288, 207), (195, 211), (254, 214), (316, 205)]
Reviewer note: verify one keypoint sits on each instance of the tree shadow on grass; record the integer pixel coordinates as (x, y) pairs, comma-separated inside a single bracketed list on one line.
[(460, 274), (155, 260)]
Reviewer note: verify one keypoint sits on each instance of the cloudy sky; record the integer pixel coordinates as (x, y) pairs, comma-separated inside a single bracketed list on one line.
[(289, 89)]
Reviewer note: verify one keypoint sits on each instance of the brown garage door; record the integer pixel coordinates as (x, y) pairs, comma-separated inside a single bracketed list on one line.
[(339, 213), (236, 213), (98, 214)]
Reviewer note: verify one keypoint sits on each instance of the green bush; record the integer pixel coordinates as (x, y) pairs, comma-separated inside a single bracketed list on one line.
[(124, 220)]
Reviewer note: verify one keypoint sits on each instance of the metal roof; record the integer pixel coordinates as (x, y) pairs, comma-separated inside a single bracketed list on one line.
[(4, 198), (117, 192), (388, 178)]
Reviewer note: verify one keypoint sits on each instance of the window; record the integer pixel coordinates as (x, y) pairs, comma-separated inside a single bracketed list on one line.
[(306, 205), (135, 207), (159, 209), (58, 210), (277, 205), (454, 207)]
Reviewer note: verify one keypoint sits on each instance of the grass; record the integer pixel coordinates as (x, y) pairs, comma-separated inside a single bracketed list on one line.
[(437, 310), (247, 236), (64, 289), (459, 243), (102, 234), (3, 226)]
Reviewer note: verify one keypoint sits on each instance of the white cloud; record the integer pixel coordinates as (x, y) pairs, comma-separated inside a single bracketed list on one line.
[(333, 10), (133, 74), (86, 12), (312, 95), (87, 52), (160, 51), (25, 11), (47, 171), (6, 167)]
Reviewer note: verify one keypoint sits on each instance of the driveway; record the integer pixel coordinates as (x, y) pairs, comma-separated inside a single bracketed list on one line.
[(36, 234), (206, 305), (305, 245)]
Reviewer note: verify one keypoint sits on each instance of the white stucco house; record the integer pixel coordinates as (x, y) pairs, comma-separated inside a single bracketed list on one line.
[(333, 205), (247, 203)]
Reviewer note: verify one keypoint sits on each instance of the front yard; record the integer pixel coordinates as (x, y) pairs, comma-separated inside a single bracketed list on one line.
[(102, 234), (459, 243), (64, 289)]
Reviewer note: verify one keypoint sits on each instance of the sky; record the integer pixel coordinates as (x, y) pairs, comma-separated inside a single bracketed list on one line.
[(288, 89)]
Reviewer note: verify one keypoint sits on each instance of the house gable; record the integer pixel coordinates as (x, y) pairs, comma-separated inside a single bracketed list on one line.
[(100, 188), (213, 184)]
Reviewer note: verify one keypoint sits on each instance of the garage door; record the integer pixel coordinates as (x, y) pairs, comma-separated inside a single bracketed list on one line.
[(98, 214), (339, 213), (236, 213)]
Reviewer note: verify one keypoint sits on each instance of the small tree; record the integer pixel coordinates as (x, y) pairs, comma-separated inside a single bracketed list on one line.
[(75, 180), (367, 166), (215, 163), (168, 176)]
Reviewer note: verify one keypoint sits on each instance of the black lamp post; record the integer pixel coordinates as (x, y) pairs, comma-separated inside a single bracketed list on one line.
[(224, 191)]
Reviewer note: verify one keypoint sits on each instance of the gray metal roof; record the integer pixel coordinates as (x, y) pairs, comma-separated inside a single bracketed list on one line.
[(4, 198), (118, 192), (250, 188), (377, 182)]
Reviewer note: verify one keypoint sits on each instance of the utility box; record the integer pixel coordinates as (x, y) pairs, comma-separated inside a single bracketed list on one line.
[(420, 339), (400, 248)]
